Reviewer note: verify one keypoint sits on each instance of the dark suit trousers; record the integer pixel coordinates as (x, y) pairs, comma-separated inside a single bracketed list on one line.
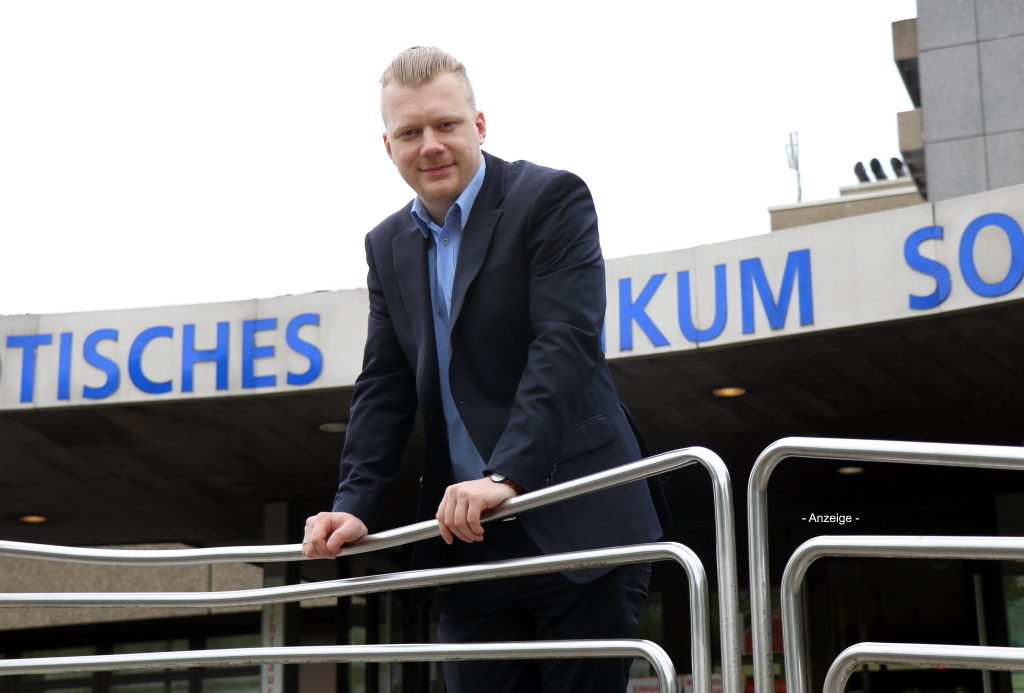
[(538, 607)]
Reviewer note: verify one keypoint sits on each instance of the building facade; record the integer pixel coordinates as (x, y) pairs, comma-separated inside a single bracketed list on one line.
[(221, 424)]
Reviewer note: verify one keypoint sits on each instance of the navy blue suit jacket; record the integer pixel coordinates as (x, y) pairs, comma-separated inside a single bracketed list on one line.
[(527, 371)]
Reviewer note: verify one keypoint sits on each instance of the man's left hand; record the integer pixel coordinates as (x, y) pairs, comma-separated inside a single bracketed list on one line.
[(459, 512)]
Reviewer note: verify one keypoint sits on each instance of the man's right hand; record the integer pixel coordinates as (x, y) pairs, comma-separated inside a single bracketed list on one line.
[(326, 533)]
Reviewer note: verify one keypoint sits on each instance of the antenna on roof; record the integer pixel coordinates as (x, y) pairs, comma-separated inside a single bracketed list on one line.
[(793, 156)]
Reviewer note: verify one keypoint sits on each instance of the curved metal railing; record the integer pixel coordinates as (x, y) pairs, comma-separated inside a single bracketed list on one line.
[(658, 464), (911, 654), (941, 454), (794, 638), (641, 553), (550, 649)]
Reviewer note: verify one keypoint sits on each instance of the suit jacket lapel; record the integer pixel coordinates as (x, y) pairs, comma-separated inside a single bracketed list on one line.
[(410, 259), (476, 237)]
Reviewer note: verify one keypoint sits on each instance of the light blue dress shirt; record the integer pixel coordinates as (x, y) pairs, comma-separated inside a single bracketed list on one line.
[(442, 258)]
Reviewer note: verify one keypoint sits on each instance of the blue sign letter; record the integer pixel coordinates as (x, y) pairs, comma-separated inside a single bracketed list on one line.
[(1013, 276), (300, 346), (64, 366), (686, 312), (630, 311), (191, 356), (139, 378), (251, 352), (28, 343), (94, 358), (924, 265), (798, 269)]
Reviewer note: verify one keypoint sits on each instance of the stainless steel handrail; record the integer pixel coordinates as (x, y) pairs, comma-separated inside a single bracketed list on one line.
[(427, 529), (698, 589), (912, 654), (725, 547), (942, 454), (619, 555), (549, 649), (972, 548), (158, 557)]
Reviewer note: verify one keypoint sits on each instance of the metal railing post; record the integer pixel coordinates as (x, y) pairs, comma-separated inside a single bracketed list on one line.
[(941, 454)]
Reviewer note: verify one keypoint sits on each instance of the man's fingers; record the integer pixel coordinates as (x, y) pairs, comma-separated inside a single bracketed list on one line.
[(458, 515), (446, 516), (451, 514), (470, 532), (351, 530), (313, 539), (473, 511), (441, 517), (463, 504), (326, 533)]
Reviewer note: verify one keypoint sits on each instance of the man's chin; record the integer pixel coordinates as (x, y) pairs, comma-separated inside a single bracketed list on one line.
[(439, 195)]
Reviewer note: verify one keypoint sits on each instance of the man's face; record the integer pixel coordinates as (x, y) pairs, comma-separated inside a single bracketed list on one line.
[(433, 136)]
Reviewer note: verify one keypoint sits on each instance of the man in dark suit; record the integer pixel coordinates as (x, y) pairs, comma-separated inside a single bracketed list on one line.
[(486, 305)]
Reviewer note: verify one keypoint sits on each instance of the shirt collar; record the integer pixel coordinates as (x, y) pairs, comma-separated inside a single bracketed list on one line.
[(463, 204)]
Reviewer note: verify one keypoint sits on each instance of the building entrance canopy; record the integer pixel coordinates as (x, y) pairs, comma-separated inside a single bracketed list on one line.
[(177, 424)]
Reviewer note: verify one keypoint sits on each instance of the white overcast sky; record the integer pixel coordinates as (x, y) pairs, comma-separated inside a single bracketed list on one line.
[(159, 152)]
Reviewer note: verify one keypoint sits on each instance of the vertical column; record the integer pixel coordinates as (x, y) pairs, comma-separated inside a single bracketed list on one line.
[(343, 623), (372, 616), (280, 625)]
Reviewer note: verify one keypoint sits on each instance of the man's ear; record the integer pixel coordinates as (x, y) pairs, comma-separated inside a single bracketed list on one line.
[(481, 126), (387, 146)]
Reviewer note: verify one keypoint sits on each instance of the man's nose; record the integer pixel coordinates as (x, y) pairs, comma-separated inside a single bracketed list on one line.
[(432, 144)]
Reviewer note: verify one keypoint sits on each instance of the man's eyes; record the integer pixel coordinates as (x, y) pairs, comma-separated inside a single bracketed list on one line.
[(446, 126)]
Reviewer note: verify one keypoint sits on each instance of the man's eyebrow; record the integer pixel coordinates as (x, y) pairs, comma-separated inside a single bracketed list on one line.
[(402, 126), (418, 123)]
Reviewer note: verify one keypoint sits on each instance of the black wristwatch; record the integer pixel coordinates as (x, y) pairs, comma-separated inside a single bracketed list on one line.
[(502, 479)]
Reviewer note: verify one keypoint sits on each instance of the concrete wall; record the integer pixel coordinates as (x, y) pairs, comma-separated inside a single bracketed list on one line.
[(854, 200), (33, 575), (972, 94)]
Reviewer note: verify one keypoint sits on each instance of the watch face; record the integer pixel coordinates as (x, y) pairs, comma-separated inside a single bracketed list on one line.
[(498, 478)]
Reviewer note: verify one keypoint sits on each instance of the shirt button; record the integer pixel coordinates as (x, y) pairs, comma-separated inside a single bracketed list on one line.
[(444, 241)]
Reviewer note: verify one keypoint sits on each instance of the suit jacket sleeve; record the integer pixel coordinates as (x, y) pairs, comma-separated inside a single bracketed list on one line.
[(383, 407), (566, 293)]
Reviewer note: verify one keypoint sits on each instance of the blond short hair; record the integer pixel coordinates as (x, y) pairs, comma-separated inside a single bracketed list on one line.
[(420, 64)]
